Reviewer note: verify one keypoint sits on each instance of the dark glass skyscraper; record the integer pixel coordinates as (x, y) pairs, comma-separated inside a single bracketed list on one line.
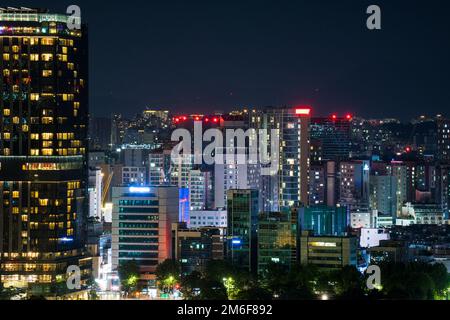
[(43, 123), (242, 228), (333, 135)]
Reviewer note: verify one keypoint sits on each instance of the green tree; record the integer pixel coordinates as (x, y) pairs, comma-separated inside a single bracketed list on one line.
[(348, 283), (190, 284), (213, 290), (129, 274), (168, 274)]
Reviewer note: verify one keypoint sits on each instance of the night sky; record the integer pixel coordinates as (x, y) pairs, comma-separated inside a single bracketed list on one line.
[(216, 55)]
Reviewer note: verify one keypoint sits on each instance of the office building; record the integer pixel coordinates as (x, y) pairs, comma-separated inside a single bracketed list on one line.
[(194, 248), (323, 220), (371, 237), (333, 134), (328, 253), (241, 235), (364, 218), (207, 218), (277, 239), (134, 176), (141, 225), (43, 171)]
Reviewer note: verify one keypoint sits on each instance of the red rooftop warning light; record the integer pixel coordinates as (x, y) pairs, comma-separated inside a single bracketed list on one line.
[(334, 117), (349, 117), (303, 111)]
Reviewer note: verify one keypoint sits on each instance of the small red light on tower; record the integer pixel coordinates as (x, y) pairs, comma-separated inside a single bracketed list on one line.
[(334, 117), (215, 120), (206, 119), (349, 117), (303, 111), (184, 118), (176, 120), (408, 149), (197, 118)]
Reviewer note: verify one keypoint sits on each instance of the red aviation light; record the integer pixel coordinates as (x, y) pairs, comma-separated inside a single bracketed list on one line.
[(303, 111), (176, 120), (349, 117), (206, 119), (197, 118), (408, 149), (184, 118), (334, 117)]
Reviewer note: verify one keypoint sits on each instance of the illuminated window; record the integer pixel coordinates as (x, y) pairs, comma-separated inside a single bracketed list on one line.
[(43, 202), (15, 49), (6, 56), (6, 135), (34, 96), (47, 120), (34, 57), (47, 57), (47, 136), (6, 72), (34, 136), (47, 73), (47, 41), (15, 120), (6, 112), (15, 194), (67, 97), (64, 50), (47, 152), (34, 152)]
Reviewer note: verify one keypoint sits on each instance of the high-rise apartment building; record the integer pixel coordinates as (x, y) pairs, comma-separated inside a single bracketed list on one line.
[(443, 143), (354, 183), (289, 186), (43, 167)]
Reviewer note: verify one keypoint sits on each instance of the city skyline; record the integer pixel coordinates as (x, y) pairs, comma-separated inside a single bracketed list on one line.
[(279, 200), (204, 56)]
